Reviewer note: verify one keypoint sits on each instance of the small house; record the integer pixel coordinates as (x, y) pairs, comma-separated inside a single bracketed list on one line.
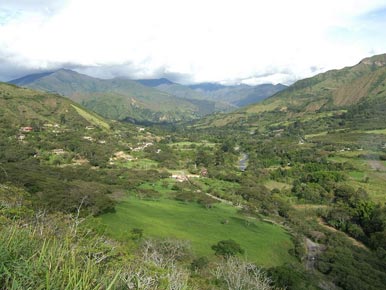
[(88, 138), (180, 177), (26, 129)]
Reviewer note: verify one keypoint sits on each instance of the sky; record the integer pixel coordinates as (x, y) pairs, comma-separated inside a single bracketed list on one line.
[(189, 41)]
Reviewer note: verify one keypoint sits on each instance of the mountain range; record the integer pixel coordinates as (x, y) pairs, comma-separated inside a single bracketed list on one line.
[(161, 100), (225, 97), (238, 95), (152, 100), (357, 89), (118, 99)]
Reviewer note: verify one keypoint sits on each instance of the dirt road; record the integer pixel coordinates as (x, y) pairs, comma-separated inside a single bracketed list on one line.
[(313, 251)]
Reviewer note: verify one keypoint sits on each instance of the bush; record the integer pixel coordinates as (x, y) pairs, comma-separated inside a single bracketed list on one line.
[(227, 248), (292, 277)]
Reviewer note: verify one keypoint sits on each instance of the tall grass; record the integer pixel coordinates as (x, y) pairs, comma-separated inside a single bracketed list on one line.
[(59, 253), (34, 259)]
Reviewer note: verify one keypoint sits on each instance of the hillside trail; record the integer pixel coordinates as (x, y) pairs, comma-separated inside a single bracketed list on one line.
[(313, 251), (243, 161), (332, 229), (218, 198)]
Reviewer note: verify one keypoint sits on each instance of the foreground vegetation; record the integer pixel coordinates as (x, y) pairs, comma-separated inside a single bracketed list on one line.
[(56, 251)]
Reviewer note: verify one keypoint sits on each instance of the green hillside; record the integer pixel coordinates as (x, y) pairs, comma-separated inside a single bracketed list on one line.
[(336, 88), (117, 99), (49, 145), (25, 107), (264, 243), (346, 92)]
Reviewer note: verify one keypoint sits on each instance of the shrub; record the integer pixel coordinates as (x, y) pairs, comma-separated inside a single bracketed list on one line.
[(227, 248)]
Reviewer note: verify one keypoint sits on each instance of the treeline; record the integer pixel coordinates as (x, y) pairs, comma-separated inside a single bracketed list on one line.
[(353, 212)]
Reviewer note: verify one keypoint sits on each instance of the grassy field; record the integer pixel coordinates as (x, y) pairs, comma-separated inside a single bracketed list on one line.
[(376, 182), (190, 145), (271, 184), (357, 175), (92, 118), (264, 243), (220, 186)]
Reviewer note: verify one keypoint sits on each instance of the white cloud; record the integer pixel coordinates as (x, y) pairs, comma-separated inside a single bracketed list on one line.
[(228, 40)]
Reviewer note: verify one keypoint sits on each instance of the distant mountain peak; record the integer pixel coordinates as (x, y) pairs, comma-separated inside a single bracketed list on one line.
[(155, 82), (25, 80), (65, 70)]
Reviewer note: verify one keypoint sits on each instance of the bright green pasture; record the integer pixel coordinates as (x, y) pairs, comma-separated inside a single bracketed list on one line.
[(271, 184), (376, 183), (357, 175), (264, 243), (190, 145), (217, 185), (92, 118)]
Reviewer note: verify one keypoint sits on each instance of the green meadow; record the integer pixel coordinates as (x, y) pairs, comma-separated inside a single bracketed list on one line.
[(264, 243), (365, 176)]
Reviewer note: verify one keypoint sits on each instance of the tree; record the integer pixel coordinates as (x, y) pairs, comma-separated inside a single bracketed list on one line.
[(344, 193), (207, 201), (62, 119), (203, 157), (227, 248)]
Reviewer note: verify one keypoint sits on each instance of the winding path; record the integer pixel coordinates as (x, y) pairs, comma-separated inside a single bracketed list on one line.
[(243, 162), (313, 251)]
